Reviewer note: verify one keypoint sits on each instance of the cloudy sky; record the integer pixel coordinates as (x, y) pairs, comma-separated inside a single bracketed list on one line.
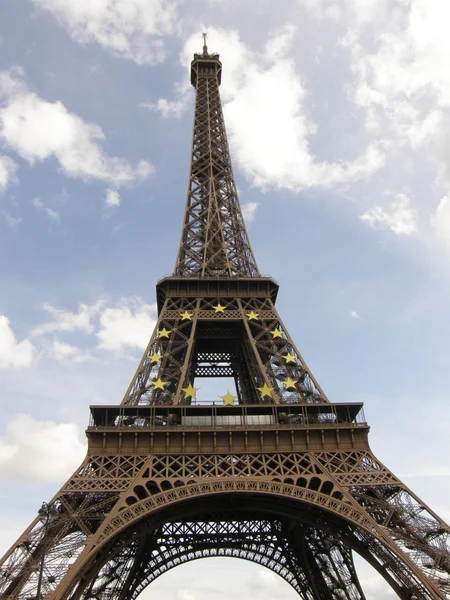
[(338, 116)]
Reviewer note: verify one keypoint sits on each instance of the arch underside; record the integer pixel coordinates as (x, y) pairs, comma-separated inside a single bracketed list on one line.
[(306, 545), (304, 535), (311, 560)]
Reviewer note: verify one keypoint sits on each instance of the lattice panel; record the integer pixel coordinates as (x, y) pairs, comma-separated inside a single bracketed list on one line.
[(214, 239), (77, 517), (418, 531), (105, 473), (286, 370), (161, 373), (273, 369), (264, 542), (168, 472), (216, 465), (356, 468)]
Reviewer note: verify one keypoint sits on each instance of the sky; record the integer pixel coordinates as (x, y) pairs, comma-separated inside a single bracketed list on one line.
[(338, 118)]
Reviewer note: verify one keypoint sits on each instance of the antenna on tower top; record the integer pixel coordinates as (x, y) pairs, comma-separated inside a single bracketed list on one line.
[(205, 47)]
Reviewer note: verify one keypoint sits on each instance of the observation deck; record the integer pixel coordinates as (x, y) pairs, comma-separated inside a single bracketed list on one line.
[(205, 63), (218, 428)]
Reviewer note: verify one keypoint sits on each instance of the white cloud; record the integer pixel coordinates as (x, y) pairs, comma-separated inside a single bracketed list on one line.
[(354, 315), (11, 220), (112, 198), (270, 91), (65, 320), (280, 43), (14, 353), (402, 79), (440, 220), (117, 228), (167, 108), (265, 583), (7, 171), (373, 584), (268, 579), (399, 217), (184, 595), (128, 325), (63, 352), (132, 29), (249, 211), (44, 451), (320, 9), (52, 215), (37, 129), (172, 109), (355, 12)]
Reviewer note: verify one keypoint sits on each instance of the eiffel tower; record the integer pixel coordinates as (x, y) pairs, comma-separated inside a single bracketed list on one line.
[(275, 474)]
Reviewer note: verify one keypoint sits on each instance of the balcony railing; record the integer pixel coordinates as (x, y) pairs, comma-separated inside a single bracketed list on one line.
[(218, 416)]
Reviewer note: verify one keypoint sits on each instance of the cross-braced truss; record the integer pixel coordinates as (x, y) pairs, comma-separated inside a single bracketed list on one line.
[(310, 560), (214, 241), (103, 536), (277, 475), (244, 339)]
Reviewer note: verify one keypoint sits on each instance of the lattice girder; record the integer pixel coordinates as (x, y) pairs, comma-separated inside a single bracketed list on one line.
[(78, 517), (268, 542), (263, 353), (399, 536), (214, 240)]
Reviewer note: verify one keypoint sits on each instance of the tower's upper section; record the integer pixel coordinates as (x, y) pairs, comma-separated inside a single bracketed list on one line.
[(206, 61), (214, 241)]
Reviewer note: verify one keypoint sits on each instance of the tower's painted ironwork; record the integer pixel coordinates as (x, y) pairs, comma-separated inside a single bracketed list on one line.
[(275, 474)]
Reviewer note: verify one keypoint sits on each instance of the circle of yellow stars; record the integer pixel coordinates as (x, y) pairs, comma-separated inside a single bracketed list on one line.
[(228, 398)]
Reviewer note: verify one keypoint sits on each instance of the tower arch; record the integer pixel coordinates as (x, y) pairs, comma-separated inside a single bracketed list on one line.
[(313, 523)]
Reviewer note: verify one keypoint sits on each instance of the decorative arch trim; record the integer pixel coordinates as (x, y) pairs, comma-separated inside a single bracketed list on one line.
[(131, 514)]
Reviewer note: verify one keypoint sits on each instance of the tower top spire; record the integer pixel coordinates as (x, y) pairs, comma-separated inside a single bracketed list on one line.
[(214, 241), (205, 60), (205, 47)]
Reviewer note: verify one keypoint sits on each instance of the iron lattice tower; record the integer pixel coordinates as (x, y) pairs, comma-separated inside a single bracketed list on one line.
[(277, 475)]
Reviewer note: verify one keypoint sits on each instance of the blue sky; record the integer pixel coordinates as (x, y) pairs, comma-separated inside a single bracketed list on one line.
[(338, 120)]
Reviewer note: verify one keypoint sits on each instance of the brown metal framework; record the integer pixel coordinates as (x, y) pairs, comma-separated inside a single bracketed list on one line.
[(214, 242), (277, 474)]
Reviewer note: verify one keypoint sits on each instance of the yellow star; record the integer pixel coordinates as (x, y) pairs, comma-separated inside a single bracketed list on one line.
[(186, 315), (189, 391), (289, 383), (289, 358), (276, 333), (252, 315), (228, 399), (155, 358), (163, 333), (158, 384), (265, 391), (219, 308)]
